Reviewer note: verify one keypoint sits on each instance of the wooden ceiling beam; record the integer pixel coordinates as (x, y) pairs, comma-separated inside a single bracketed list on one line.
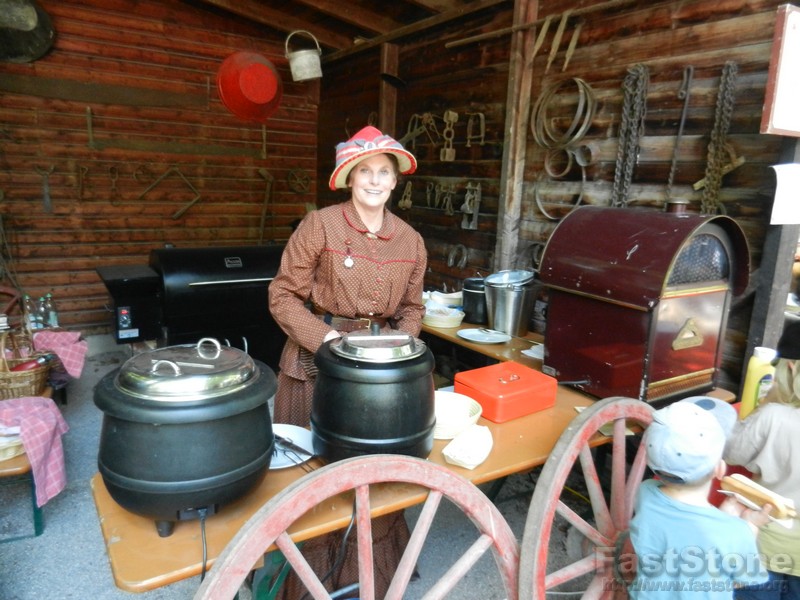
[(280, 20), (438, 6), (414, 28), (362, 18)]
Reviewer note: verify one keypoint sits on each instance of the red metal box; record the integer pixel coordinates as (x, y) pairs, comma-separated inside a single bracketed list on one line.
[(507, 390), (639, 300)]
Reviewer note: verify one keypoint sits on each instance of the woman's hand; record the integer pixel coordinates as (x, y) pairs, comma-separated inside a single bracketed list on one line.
[(331, 335)]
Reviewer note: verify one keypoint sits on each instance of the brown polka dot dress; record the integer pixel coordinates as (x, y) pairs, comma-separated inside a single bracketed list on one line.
[(333, 264)]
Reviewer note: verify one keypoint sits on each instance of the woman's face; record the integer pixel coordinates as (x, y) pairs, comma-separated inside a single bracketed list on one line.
[(372, 180)]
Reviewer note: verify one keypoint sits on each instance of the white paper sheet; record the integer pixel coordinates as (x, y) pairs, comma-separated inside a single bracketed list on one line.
[(786, 208)]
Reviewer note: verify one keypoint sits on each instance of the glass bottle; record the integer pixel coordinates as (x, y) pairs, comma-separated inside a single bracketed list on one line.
[(30, 313), (50, 311), (42, 312)]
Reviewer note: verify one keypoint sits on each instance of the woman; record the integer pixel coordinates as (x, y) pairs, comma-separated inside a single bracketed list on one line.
[(345, 267), (767, 443)]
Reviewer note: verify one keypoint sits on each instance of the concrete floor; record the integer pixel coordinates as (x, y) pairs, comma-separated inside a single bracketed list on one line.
[(69, 560)]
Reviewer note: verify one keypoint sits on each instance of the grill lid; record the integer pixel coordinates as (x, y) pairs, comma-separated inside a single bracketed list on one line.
[(187, 372)]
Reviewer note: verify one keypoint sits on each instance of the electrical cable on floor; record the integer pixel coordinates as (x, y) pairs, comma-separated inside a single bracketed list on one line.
[(203, 512), (342, 550)]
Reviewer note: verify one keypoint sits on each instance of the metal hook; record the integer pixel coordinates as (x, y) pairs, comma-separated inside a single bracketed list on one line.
[(461, 251)]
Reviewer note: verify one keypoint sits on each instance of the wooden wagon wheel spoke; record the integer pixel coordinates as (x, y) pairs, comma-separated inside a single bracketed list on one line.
[(541, 569), (270, 524)]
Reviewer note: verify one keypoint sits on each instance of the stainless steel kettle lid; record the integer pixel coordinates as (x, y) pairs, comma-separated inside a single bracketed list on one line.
[(364, 346), (187, 372), (510, 278)]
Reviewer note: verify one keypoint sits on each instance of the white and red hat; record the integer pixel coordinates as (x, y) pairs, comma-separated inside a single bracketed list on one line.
[(368, 142)]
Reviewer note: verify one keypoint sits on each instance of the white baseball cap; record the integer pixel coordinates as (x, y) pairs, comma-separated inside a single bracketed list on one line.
[(684, 442)]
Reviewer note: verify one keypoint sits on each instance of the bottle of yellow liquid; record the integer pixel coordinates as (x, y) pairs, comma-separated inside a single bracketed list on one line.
[(758, 380)]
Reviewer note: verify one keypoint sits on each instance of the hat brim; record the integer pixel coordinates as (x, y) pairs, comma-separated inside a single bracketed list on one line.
[(236, 99), (406, 163)]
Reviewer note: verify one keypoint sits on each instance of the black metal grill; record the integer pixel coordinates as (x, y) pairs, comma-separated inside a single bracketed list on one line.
[(221, 293), (190, 293)]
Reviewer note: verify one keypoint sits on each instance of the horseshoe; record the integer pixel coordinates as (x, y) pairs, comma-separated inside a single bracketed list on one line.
[(299, 181)]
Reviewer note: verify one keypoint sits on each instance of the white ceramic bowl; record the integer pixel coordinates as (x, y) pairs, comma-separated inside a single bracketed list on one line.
[(452, 299), (454, 413), (438, 319)]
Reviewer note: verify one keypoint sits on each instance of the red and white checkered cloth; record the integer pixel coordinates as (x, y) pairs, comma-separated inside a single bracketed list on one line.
[(41, 427), (67, 345)]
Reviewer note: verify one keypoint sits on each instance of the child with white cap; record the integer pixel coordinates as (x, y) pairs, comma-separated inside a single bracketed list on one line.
[(687, 548)]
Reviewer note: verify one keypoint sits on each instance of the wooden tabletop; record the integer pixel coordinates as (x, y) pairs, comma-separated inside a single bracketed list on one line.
[(141, 560), (511, 350)]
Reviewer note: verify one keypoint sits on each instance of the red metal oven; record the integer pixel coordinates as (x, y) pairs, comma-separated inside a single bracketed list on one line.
[(639, 300)]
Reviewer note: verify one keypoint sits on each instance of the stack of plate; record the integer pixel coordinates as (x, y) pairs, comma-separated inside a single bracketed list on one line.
[(449, 317), (454, 413)]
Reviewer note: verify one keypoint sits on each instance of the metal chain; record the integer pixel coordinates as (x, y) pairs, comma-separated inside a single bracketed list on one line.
[(634, 109), (717, 150)]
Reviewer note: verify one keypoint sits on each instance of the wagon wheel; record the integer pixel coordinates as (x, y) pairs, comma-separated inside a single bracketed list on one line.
[(299, 181), (271, 522), (604, 539)]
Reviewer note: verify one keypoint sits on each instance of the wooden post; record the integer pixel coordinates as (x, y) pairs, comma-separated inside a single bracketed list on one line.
[(773, 276), (387, 109), (518, 105)]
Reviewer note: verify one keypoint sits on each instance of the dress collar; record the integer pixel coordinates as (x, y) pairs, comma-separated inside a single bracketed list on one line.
[(353, 219)]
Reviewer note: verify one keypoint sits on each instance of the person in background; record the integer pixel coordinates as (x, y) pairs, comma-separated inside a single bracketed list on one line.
[(686, 548), (344, 267), (767, 443)]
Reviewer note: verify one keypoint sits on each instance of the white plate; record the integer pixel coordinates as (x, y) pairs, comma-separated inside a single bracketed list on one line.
[(300, 436), (482, 337)]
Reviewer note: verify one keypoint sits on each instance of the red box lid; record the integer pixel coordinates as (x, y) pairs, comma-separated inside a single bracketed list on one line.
[(507, 390)]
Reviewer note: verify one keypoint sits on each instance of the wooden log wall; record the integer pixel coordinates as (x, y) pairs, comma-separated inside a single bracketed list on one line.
[(600, 43), (125, 111), (470, 82)]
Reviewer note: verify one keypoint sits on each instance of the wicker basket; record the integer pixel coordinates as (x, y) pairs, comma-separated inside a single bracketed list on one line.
[(15, 384)]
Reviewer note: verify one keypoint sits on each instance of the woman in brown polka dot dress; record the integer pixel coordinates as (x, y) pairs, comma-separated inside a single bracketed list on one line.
[(345, 264)]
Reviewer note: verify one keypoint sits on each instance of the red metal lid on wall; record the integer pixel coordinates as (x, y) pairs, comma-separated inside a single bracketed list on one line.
[(249, 86)]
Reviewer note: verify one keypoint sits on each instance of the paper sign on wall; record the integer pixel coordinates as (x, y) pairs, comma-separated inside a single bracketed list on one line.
[(780, 115), (786, 207)]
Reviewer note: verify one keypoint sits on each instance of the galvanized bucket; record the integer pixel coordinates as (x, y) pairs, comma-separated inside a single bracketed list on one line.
[(305, 64)]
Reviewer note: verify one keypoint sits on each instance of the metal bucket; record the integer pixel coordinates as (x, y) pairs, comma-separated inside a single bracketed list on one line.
[(509, 301), (305, 64)]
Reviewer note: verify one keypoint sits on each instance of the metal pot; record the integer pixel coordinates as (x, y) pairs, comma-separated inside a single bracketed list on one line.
[(374, 394), (474, 300), (185, 428), (509, 300)]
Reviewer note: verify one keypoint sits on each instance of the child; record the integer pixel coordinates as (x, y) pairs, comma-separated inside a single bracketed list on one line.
[(687, 548), (767, 443)]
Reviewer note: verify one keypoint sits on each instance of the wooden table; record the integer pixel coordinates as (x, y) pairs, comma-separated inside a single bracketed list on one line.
[(511, 350), (141, 560)]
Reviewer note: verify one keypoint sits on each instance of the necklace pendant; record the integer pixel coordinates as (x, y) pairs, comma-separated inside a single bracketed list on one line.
[(348, 262)]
